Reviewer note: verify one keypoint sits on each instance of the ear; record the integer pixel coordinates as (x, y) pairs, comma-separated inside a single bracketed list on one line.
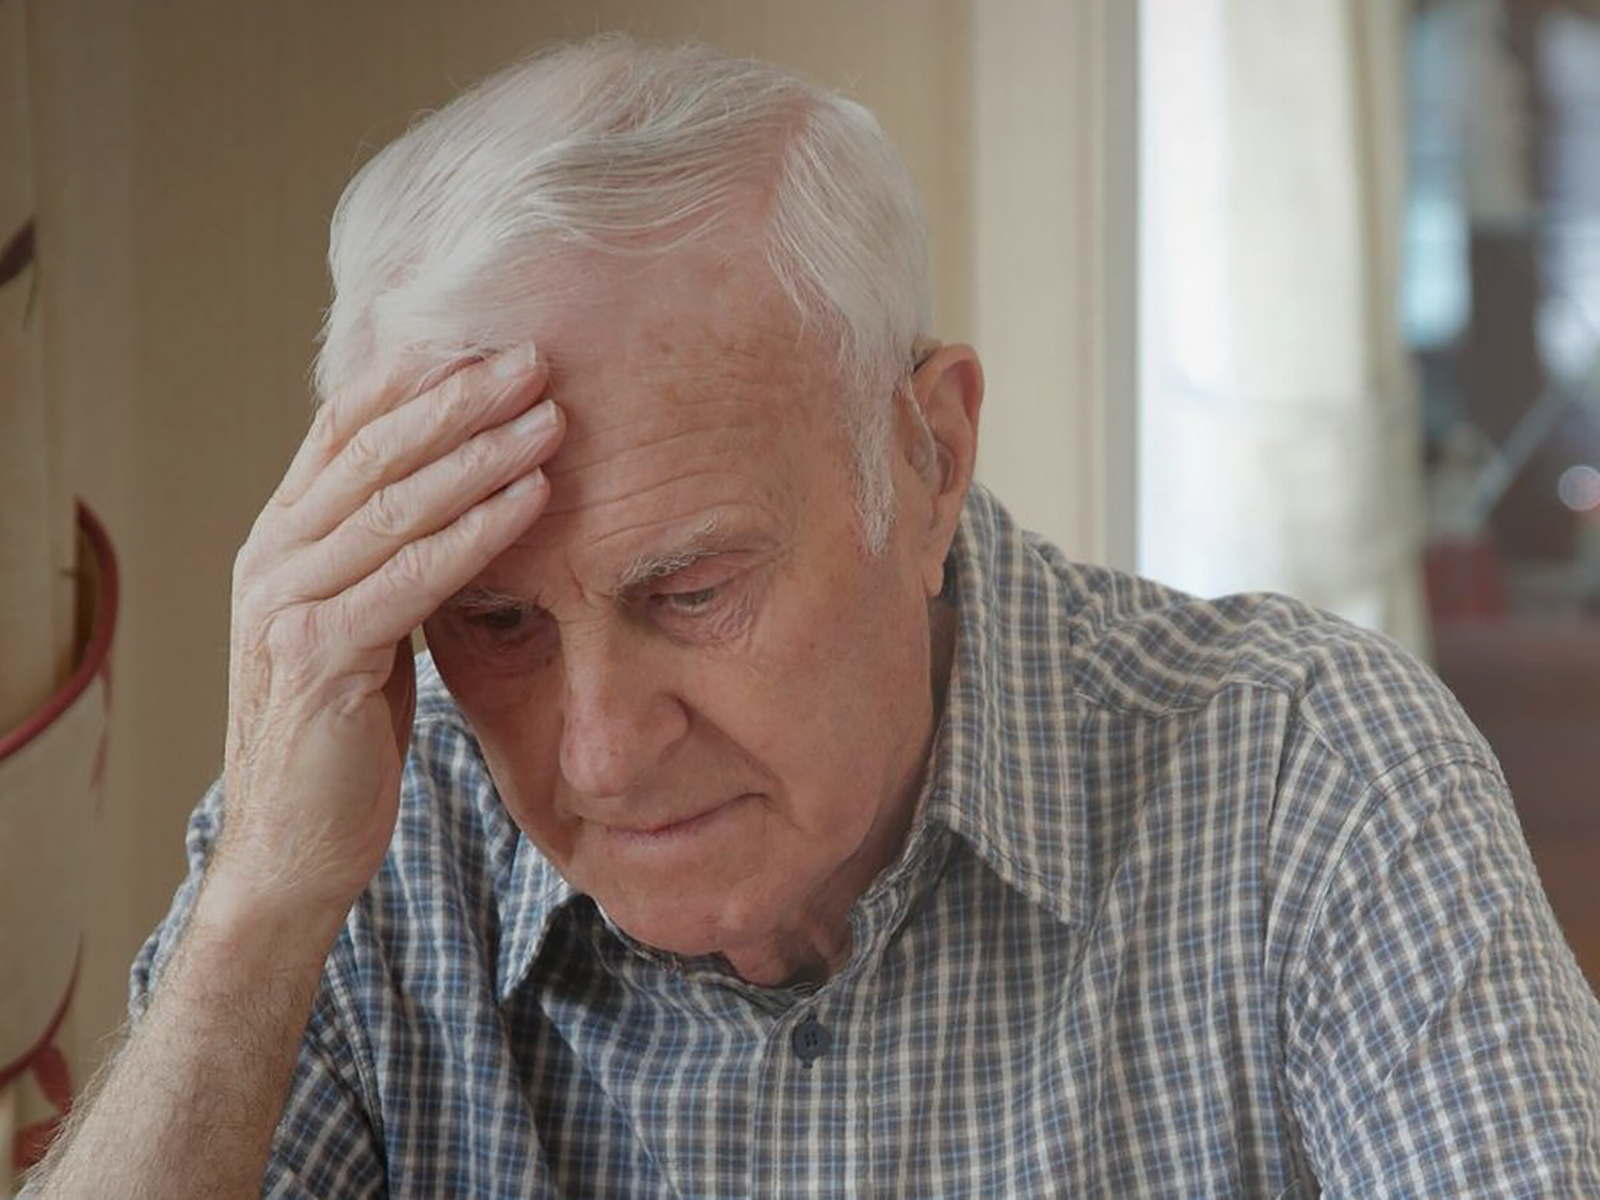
[(947, 390)]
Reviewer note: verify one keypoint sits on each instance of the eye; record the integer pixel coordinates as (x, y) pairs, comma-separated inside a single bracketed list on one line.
[(504, 625), (499, 620), (689, 604), (713, 613)]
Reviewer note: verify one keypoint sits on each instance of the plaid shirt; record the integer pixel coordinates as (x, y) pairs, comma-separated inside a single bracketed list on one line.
[(1202, 898)]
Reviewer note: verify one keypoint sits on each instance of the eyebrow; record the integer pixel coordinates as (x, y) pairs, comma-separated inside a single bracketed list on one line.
[(704, 541), (475, 596)]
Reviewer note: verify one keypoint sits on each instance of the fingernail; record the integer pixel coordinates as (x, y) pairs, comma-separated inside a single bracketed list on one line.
[(526, 484), (536, 420), (518, 360)]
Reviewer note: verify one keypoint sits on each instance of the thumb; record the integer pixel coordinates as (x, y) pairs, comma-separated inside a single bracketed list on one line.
[(401, 693)]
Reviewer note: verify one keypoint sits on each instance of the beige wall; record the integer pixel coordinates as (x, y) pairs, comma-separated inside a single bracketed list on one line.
[(194, 151)]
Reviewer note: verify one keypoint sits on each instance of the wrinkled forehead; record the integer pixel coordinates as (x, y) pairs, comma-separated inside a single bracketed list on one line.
[(596, 316), (694, 396), (700, 345), (708, 307)]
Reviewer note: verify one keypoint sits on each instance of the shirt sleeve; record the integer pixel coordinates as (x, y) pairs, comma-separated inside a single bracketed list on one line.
[(1439, 1037), (325, 1143)]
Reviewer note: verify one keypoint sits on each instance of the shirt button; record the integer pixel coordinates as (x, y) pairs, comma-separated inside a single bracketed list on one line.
[(810, 1040)]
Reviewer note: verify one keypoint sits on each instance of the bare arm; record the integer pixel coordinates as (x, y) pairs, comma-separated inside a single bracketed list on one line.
[(392, 504), (190, 1105)]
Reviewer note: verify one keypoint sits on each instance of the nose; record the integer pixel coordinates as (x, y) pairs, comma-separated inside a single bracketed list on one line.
[(620, 717)]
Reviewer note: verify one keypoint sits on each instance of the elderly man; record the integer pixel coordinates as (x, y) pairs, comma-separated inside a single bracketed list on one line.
[(771, 815)]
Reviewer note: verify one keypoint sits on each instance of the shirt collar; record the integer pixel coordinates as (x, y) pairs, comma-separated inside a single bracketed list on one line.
[(1002, 774), (531, 895)]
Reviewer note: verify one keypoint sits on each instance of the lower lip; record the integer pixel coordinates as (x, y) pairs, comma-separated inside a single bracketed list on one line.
[(681, 831)]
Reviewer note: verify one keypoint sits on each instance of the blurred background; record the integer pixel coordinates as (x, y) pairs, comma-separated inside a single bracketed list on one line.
[(1369, 332), (1288, 294)]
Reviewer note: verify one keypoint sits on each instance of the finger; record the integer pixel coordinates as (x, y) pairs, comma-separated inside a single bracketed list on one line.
[(405, 439), (377, 394), (402, 593), (401, 693), (333, 423), (421, 504)]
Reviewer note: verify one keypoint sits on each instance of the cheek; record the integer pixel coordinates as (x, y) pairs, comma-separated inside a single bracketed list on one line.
[(843, 682), (513, 708)]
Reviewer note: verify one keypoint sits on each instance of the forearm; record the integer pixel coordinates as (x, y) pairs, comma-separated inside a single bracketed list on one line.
[(189, 1105), (394, 502)]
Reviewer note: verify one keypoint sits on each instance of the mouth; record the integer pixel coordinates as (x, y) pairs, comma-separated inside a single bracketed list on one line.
[(674, 830)]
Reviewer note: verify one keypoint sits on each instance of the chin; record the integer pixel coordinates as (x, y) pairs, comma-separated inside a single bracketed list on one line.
[(675, 935), (690, 926)]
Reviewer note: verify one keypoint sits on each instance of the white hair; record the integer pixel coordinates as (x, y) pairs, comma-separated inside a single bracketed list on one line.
[(608, 145)]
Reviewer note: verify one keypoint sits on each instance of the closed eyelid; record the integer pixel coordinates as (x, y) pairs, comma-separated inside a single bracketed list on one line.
[(687, 582), (706, 615), (691, 568), (680, 594)]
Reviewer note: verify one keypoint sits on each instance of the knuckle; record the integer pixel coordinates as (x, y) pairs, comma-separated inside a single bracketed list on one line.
[(383, 516), (364, 458), (470, 525), (408, 569), (457, 399), (460, 397), (476, 458), (324, 434), (322, 422)]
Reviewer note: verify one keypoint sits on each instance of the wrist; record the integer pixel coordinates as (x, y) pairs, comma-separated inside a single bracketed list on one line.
[(251, 923)]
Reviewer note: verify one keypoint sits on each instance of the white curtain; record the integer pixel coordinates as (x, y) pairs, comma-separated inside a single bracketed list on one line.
[(1280, 435)]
